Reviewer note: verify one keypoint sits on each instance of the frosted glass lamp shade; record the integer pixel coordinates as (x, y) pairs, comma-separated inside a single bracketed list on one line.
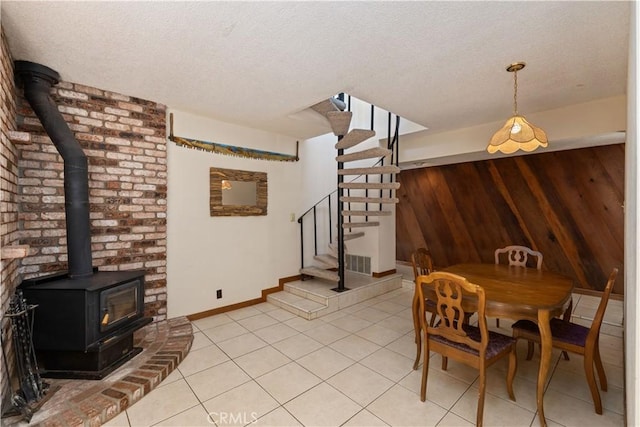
[(517, 134)]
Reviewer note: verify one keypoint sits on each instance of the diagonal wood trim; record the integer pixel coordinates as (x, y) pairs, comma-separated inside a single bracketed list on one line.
[(498, 181), (452, 211), (568, 246), (571, 211)]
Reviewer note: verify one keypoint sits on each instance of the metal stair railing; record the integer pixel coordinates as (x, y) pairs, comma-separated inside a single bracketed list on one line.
[(341, 286), (392, 144)]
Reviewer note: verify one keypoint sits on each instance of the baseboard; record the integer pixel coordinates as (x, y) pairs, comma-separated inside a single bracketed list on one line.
[(594, 293), (248, 303), (383, 273)]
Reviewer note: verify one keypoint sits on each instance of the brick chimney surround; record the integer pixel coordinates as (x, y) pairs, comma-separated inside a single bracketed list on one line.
[(124, 139)]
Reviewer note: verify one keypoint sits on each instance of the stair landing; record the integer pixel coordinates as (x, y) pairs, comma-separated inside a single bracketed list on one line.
[(313, 298)]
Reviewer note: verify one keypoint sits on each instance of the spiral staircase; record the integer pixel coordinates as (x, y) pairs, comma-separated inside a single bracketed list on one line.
[(355, 203), (363, 192)]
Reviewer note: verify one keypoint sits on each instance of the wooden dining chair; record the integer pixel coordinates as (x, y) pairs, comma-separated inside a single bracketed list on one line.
[(453, 338), (517, 255), (575, 338), (422, 265)]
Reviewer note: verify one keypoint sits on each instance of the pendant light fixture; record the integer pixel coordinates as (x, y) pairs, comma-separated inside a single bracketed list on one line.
[(517, 133)]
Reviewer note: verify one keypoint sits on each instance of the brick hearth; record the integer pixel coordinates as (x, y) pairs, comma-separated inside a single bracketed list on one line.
[(91, 403)]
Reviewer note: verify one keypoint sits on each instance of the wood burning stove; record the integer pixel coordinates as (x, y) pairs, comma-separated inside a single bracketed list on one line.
[(83, 328), (85, 319)]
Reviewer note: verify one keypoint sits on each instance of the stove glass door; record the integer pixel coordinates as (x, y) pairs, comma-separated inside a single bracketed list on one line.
[(118, 304)]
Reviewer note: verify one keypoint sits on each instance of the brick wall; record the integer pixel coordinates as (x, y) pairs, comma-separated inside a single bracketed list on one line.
[(125, 142), (8, 186)]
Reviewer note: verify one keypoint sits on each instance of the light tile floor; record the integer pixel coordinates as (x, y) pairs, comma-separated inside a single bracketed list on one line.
[(262, 365)]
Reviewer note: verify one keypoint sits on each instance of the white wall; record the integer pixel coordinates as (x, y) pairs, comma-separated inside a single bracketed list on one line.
[(566, 128), (240, 255), (632, 245)]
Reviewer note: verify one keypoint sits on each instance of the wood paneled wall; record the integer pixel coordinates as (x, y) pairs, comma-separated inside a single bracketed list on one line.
[(566, 204)]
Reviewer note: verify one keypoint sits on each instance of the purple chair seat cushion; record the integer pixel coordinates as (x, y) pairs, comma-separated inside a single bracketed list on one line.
[(570, 333), (497, 342)]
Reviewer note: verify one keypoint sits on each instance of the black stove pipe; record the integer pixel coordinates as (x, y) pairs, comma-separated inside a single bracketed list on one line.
[(37, 81)]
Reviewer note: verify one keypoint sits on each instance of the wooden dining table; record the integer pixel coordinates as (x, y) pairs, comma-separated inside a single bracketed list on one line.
[(522, 293)]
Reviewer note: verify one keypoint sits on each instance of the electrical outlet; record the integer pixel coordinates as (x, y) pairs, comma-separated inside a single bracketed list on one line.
[(219, 294), (292, 217)]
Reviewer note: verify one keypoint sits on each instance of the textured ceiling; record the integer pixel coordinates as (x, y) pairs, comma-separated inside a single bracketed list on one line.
[(259, 64)]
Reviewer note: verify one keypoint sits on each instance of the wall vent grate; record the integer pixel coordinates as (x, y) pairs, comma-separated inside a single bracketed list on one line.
[(358, 263)]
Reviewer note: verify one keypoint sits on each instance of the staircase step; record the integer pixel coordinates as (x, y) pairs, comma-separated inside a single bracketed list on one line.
[(327, 259), (366, 213), (370, 185), (298, 305), (321, 273), (351, 236), (326, 106), (347, 236), (339, 121), (375, 170), (313, 299), (369, 199), (355, 137), (370, 153), (360, 224)]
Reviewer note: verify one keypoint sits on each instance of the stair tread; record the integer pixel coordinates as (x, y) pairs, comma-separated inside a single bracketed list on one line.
[(364, 154), (369, 199), (321, 273), (354, 137), (370, 185), (327, 259), (296, 301), (360, 224), (339, 121), (374, 170), (351, 236), (323, 107), (366, 213), (347, 236)]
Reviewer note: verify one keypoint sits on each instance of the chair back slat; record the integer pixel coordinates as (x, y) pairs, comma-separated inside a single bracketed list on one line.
[(518, 255), (453, 295)]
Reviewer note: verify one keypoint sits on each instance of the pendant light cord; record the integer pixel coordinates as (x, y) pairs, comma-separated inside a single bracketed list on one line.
[(515, 93)]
